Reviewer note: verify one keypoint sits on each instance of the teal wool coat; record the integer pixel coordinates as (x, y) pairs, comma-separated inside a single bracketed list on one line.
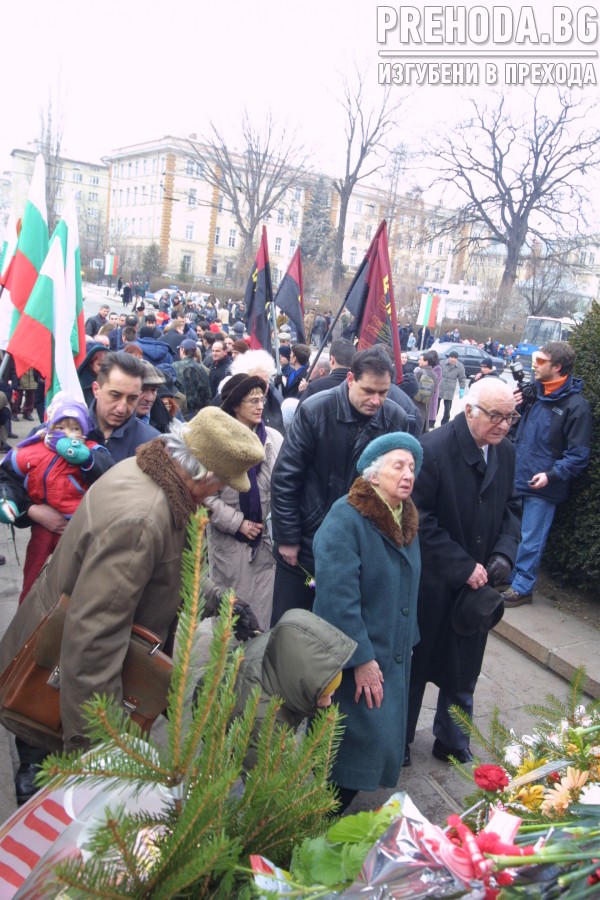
[(367, 577)]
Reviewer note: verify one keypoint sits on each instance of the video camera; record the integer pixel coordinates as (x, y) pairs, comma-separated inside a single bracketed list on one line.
[(527, 388)]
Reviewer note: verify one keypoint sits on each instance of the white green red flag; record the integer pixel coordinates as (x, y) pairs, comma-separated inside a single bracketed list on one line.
[(48, 335), (6, 308), (111, 264), (21, 273), (429, 310)]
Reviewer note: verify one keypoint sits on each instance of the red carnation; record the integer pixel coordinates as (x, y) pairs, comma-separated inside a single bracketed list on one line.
[(490, 778)]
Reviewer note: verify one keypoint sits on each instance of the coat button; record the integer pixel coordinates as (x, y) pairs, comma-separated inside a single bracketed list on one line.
[(78, 740), (478, 539), (399, 658), (405, 611)]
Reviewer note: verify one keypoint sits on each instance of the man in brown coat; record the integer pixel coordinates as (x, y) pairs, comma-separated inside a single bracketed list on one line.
[(119, 560)]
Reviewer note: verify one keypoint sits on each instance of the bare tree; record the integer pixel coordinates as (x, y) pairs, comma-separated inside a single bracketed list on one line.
[(550, 283), (254, 181), (49, 145), (366, 129), (518, 179)]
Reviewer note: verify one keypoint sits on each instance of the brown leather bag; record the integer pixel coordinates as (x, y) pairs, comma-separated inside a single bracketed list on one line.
[(30, 685)]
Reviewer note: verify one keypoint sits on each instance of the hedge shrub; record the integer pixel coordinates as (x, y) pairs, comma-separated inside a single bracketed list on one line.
[(573, 550)]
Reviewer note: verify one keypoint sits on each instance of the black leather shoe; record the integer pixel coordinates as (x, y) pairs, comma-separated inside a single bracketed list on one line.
[(441, 751), (24, 782), (406, 756), (11, 434), (28, 417)]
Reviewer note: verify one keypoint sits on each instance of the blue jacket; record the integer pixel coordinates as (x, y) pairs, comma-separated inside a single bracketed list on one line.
[(554, 436), (156, 352)]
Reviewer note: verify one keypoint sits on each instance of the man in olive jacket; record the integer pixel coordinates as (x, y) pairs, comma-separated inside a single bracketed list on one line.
[(119, 561)]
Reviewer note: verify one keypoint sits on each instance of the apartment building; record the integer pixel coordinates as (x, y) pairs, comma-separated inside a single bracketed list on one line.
[(89, 181)]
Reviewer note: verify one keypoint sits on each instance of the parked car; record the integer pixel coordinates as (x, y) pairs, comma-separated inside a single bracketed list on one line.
[(468, 355)]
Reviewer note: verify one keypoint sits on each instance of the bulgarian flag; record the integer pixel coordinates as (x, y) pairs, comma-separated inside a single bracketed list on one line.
[(428, 311), (6, 306), (111, 264), (49, 334), (24, 264)]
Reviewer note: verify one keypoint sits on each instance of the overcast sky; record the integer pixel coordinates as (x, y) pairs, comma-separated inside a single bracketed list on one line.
[(127, 71)]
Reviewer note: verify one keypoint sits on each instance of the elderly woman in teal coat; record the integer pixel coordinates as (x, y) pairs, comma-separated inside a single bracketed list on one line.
[(367, 568)]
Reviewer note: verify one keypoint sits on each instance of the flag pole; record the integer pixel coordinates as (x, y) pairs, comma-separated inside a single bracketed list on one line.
[(275, 337), (326, 336)]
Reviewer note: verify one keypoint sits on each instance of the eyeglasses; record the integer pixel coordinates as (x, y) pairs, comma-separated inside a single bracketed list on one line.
[(256, 401), (540, 360), (497, 418)]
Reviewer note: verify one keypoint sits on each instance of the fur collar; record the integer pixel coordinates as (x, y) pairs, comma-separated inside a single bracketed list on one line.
[(154, 460), (365, 499)]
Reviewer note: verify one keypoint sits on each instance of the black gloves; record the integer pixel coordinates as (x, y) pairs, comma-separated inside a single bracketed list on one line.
[(499, 569), (246, 625)]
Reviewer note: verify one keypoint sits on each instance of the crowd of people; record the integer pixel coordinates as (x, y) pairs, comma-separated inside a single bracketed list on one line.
[(341, 519)]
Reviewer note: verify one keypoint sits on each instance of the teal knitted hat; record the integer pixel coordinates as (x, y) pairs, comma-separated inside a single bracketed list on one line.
[(399, 440)]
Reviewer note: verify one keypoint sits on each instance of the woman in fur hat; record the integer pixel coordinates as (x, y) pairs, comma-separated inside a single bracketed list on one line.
[(367, 568), (240, 547)]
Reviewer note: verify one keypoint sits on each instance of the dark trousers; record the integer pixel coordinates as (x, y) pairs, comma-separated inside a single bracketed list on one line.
[(290, 590), (444, 728), (447, 408)]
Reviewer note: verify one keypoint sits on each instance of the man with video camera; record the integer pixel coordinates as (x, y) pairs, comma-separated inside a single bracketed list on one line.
[(552, 446)]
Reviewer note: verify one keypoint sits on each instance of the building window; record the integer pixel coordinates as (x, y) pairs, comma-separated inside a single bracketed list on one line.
[(220, 203), (192, 197), (358, 206), (149, 226), (78, 177), (135, 196), (292, 247), (582, 257), (120, 196), (401, 220), (298, 193), (199, 170), (416, 268), (214, 268), (129, 170), (94, 179), (294, 219), (92, 230), (122, 170), (145, 166), (127, 197), (353, 256), (430, 247), (232, 237), (368, 232), (413, 220), (151, 193), (591, 259), (189, 167), (92, 196), (436, 274), (280, 217), (93, 212), (217, 236), (189, 231), (440, 248), (277, 245), (78, 195), (154, 164), (427, 271), (186, 263), (125, 226), (406, 268), (355, 228), (144, 196), (409, 242)]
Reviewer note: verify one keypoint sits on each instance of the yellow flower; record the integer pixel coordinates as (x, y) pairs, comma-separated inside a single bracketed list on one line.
[(531, 796), (529, 764)]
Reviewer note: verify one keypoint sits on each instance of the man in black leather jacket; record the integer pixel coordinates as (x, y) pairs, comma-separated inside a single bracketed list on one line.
[(317, 465)]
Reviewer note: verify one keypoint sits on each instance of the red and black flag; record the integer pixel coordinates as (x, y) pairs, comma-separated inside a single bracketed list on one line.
[(290, 296), (258, 299), (371, 300)]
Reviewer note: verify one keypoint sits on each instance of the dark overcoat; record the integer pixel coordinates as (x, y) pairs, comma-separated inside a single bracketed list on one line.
[(467, 511), (367, 578)]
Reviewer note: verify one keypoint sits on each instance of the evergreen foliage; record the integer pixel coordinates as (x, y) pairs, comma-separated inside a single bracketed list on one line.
[(151, 260), (573, 549), (316, 238), (198, 845)]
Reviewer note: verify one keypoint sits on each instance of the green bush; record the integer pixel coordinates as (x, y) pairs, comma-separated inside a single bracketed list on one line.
[(573, 549)]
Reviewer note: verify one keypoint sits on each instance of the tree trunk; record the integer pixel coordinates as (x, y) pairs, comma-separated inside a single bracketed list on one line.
[(338, 250)]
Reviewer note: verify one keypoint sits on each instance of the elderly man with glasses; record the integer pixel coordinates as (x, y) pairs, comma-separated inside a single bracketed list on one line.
[(552, 444), (469, 525)]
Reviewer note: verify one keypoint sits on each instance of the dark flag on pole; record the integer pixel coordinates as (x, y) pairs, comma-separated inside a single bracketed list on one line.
[(258, 299), (371, 300), (290, 296)]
